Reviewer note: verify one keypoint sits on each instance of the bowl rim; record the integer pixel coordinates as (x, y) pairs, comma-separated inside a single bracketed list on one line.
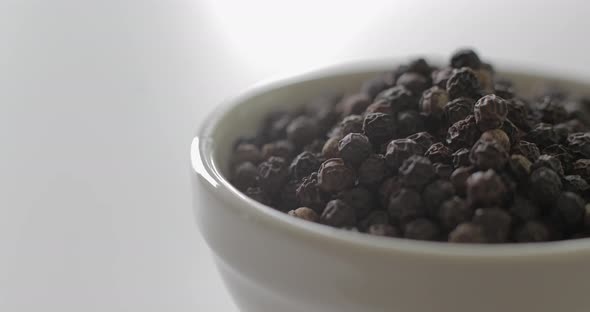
[(204, 166)]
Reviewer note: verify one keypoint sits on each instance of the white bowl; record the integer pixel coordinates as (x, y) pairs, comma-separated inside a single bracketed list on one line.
[(272, 262)]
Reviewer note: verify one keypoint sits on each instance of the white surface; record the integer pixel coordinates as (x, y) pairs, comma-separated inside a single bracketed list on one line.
[(99, 100)]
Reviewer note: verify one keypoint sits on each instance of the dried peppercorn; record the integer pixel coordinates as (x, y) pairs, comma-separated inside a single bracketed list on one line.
[(354, 104), (414, 82), (490, 112), (245, 176), (388, 187), (463, 83), (349, 124), (315, 147), (422, 229), (453, 212), (514, 134), (569, 210), (379, 106), (576, 184), (309, 194), (441, 76), (579, 144), (287, 199), (486, 188), (519, 167), (458, 109), (400, 150), (424, 139), (532, 231), (408, 122), (467, 233), (274, 127), (374, 218), (433, 101), (383, 230), (459, 179), (302, 130), (465, 58), (416, 172), (442, 171), (378, 127), (543, 135), (463, 133), (485, 76), (330, 149), (523, 209), (335, 176), (358, 198), (562, 153), (273, 173), (527, 149), (544, 186), (354, 148), (305, 214), (551, 110), (504, 88), (246, 152), (550, 162), (495, 224), (373, 170), (488, 155), (374, 86), (461, 157), (581, 167), (280, 148), (435, 194), (398, 98), (438, 152), (257, 194), (303, 165), (517, 113), (419, 66), (498, 136), (338, 213), (405, 205)]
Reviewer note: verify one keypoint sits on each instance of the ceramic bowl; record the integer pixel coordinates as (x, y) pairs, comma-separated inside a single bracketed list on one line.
[(272, 262)]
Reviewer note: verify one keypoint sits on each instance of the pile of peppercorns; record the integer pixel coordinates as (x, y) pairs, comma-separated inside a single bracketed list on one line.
[(441, 154)]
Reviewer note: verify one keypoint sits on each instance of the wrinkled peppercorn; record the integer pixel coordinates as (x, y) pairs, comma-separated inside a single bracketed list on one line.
[(458, 109), (374, 86), (287, 199), (532, 231), (581, 167), (400, 150), (422, 229), (405, 205), (388, 187), (330, 149), (576, 184), (245, 176), (354, 104), (335, 176), (453, 212), (551, 110), (419, 66), (488, 155), (257, 194), (544, 186), (246, 152), (463, 133), (438, 152), (459, 179), (383, 230), (303, 165), (350, 124), (433, 101), (543, 135), (424, 139), (358, 198), (463, 83), (441, 76), (416, 172), (302, 130), (379, 106), (414, 82), (280, 148), (398, 98), (562, 153), (570, 211), (490, 112), (467, 233), (354, 148), (495, 224), (461, 158), (517, 113), (408, 122), (442, 171), (504, 88), (486, 188), (339, 214), (373, 170), (309, 194), (524, 209), (498, 136), (465, 58), (550, 162), (378, 127), (305, 214), (273, 173), (519, 167), (435, 194), (527, 149), (579, 144)]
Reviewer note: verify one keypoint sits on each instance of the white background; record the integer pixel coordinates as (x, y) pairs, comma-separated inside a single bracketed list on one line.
[(99, 100)]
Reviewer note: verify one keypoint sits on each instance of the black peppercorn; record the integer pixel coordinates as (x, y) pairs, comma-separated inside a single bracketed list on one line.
[(246, 152), (517, 113), (562, 153), (581, 167), (419, 66), (375, 217), (245, 176), (433, 101), (495, 224), (459, 179), (400, 150), (488, 155), (405, 206), (453, 212), (543, 135), (467, 233), (379, 106), (280, 148), (373, 170), (463, 83), (435, 194), (461, 157), (504, 88), (378, 127), (465, 58), (287, 199), (303, 165), (458, 109), (407, 123), (486, 188), (498, 136), (579, 144), (532, 231), (424, 139), (550, 162), (414, 82), (273, 173), (398, 98), (527, 149), (523, 209), (463, 133), (309, 194), (354, 104), (551, 110), (305, 214), (330, 149), (358, 198), (339, 214), (388, 187), (544, 186), (416, 172), (442, 171), (490, 112), (576, 184), (422, 229), (441, 76), (438, 152), (354, 148), (257, 194), (374, 86), (519, 167), (569, 210), (335, 176), (302, 130)]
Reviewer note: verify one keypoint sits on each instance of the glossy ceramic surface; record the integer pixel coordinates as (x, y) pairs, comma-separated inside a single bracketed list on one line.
[(271, 262)]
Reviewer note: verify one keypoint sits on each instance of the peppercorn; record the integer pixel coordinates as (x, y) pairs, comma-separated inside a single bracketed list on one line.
[(433, 101), (245, 176), (569, 210), (274, 127), (373, 170), (303, 165), (488, 155), (422, 229), (358, 198), (576, 184), (461, 157), (379, 106), (335, 176), (273, 173), (399, 150), (246, 152), (463, 133), (375, 217), (543, 135), (463, 82), (519, 167), (527, 149), (532, 231), (514, 134), (467, 233), (458, 109), (562, 153), (485, 77), (442, 171), (490, 112), (257, 194), (354, 104), (388, 187), (459, 179), (414, 82), (398, 98), (523, 209), (374, 86), (441, 76), (302, 130), (424, 139), (550, 162), (438, 152), (383, 230), (517, 113), (408, 122), (551, 110), (498, 136), (504, 88), (579, 144), (435, 194), (486, 188), (338, 214), (405, 206), (416, 172), (581, 167), (495, 224), (378, 127), (419, 66), (305, 213), (330, 149), (309, 194), (453, 212), (287, 200), (544, 186), (354, 148), (465, 58), (280, 148)]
